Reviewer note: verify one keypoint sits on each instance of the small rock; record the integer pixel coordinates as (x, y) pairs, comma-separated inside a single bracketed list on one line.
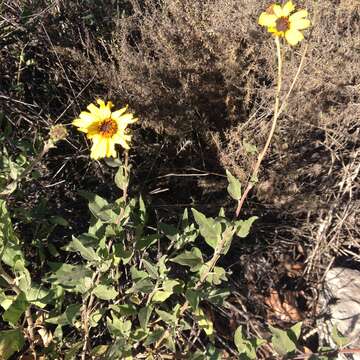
[(342, 300)]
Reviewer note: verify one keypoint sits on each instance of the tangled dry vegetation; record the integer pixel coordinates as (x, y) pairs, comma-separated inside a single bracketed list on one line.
[(199, 73)]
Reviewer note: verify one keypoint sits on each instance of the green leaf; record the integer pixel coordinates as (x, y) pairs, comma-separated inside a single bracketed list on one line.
[(99, 351), (296, 329), (171, 285), (193, 297), (105, 292), (216, 276), (75, 278), (161, 296), (249, 148), (192, 258), (145, 286), (69, 316), (234, 187), (203, 322), (119, 326), (11, 341), (282, 341), (209, 228), (151, 269), (247, 347), (154, 336), (86, 252), (339, 339), (71, 354), (169, 319), (16, 309), (95, 317), (146, 240), (122, 178), (99, 207), (244, 226), (144, 316), (122, 253), (9, 242)]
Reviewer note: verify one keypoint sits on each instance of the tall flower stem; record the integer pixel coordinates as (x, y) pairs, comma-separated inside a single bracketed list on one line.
[(262, 154)]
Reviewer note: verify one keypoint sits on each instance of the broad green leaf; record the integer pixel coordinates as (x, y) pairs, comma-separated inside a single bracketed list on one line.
[(146, 240), (249, 148), (216, 276), (99, 351), (122, 178), (339, 339), (244, 226), (16, 310), (169, 319), (296, 329), (209, 228), (171, 232), (171, 285), (68, 317), (75, 278), (151, 269), (144, 316), (192, 258), (71, 354), (204, 322), (119, 326), (281, 341), (193, 297), (234, 187), (144, 285), (86, 252), (160, 296), (22, 275), (122, 253), (11, 341), (99, 207), (247, 347), (105, 292), (124, 309), (154, 336), (95, 317), (9, 242)]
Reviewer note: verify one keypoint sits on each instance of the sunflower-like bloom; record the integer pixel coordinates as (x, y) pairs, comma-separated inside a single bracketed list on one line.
[(105, 128), (280, 21)]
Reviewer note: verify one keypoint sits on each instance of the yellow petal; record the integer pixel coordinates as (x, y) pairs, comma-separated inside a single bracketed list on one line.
[(80, 123), (98, 149), (105, 113), (298, 15), (300, 24), (118, 113), (293, 36), (266, 19), (101, 103), (273, 30), (95, 111), (288, 8), (277, 9), (110, 148)]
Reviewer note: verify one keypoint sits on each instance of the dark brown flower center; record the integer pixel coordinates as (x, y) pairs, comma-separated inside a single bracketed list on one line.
[(282, 24), (108, 128)]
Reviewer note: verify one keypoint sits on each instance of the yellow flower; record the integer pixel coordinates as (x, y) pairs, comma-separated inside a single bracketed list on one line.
[(281, 23), (105, 128)]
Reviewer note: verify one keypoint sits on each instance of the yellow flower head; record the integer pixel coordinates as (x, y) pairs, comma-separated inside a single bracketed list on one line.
[(280, 21), (105, 128)]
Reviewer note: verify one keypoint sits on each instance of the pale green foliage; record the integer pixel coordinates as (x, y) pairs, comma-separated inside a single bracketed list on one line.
[(121, 281)]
